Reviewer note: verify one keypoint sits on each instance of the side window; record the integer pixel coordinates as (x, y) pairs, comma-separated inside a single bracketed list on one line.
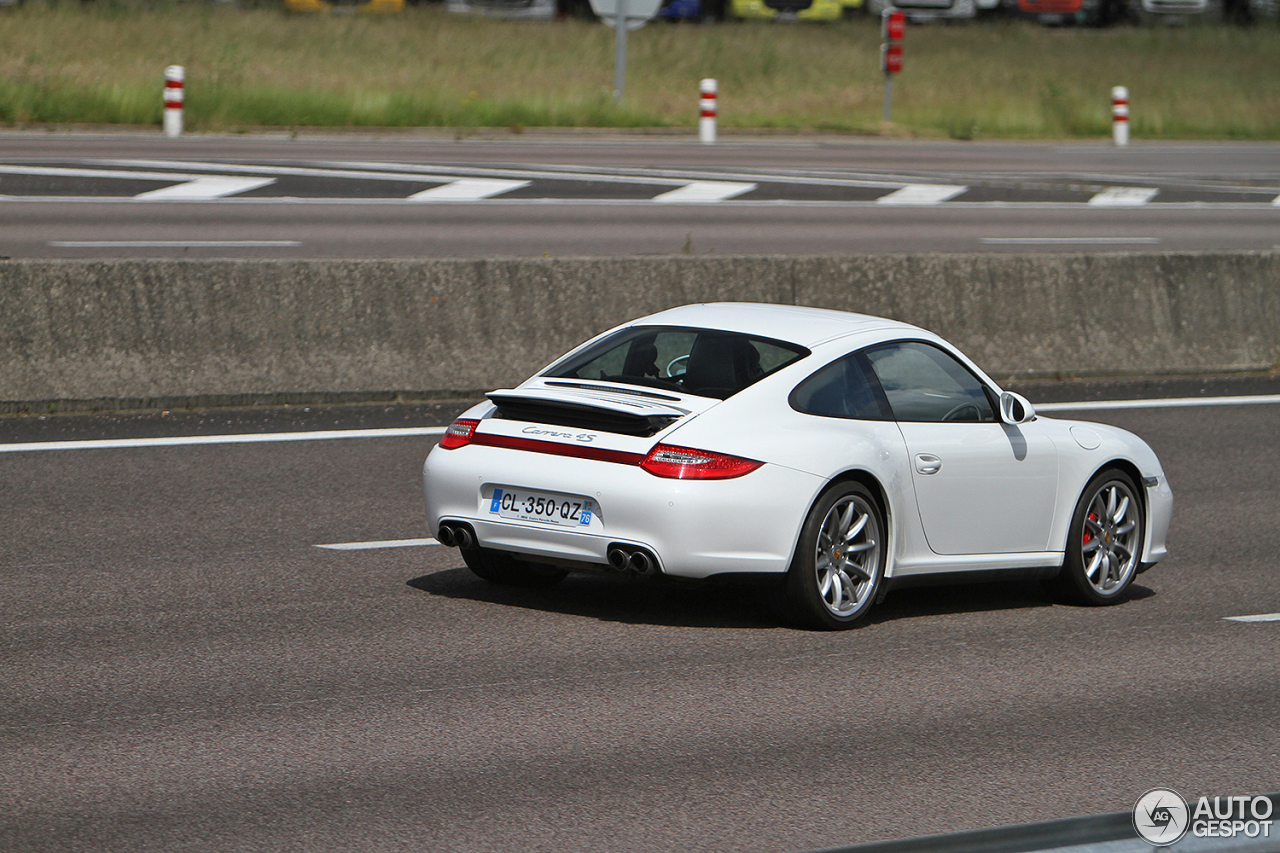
[(924, 383), (842, 390)]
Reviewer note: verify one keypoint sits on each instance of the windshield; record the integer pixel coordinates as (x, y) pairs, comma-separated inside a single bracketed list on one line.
[(706, 362)]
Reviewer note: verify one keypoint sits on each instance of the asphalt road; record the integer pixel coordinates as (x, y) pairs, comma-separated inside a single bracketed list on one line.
[(184, 669), (74, 195)]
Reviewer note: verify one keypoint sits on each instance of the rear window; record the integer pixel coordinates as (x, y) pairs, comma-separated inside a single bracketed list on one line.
[(706, 362)]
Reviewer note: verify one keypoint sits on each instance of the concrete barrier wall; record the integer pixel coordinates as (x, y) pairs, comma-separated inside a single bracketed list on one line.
[(210, 331)]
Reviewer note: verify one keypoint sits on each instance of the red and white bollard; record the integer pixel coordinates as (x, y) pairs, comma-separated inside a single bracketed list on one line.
[(173, 79), (707, 105), (1120, 115)]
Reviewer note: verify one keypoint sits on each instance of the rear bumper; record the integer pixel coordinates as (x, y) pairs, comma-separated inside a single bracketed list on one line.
[(694, 529)]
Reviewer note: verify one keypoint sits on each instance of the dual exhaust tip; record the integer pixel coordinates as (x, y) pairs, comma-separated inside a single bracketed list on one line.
[(453, 535), (622, 558), (628, 558)]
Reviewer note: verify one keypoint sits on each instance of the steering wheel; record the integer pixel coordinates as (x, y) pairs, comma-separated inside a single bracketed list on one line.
[(682, 361), (954, 414)]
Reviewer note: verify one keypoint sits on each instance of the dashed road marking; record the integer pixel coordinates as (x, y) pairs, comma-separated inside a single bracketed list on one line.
[(382, 543), (705, 192), (200, 182), (469, 189), (922, 194), (1124, 197), (204, 188), (1259, 617)]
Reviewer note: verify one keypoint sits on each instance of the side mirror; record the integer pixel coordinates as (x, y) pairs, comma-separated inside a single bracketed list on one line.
[(1016, 409)]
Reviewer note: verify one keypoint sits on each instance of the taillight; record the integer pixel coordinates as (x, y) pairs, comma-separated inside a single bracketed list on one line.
[(685, 463), (459, 433)]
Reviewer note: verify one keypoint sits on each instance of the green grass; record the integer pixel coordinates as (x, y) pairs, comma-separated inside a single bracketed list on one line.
[(258, 67)]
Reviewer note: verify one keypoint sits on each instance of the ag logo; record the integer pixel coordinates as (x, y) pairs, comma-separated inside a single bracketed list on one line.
[(1160, 817)]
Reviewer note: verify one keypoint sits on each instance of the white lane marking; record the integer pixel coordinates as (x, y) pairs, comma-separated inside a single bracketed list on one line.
[(330, 435), (676, 177), (1034, 241), (163, 244), (922, 194), (1275, 202), (1260, 617), (705, 192), (469, 189), (207, 187), (62, 172), (1171, 403), (410, 172), (1124, 196), (384, 543), (618, 202), (246, 169), (186, 440)]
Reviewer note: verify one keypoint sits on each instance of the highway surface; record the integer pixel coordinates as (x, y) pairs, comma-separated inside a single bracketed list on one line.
[(187, 667), (72, 195)]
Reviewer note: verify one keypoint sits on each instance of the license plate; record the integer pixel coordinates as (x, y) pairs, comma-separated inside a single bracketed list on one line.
[(544, 507)]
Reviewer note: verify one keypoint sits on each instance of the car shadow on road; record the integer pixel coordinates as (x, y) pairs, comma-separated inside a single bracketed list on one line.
[(727, 605), (619, 599), (975, 597)]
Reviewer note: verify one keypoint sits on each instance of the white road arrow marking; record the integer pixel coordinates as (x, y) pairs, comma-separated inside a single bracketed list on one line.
[(468, 189), (705, 192), (207, 187), (1124, 196), (922, 194)]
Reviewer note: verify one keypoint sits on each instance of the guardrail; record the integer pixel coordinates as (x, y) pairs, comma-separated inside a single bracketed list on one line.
[(82, 334)]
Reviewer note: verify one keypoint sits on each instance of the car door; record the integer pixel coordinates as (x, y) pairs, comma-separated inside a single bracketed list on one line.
[(982, 486)]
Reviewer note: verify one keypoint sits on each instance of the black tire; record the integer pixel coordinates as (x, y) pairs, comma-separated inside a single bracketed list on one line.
[(508, 570), (1104, 542), (839, 562)]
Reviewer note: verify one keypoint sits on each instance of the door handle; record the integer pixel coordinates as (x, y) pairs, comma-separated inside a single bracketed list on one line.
[(927, 463)]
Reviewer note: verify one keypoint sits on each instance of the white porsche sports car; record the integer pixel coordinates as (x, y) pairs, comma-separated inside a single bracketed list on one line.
[(839, 453)]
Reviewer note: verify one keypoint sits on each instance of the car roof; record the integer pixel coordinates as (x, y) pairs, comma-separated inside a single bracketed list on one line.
[(796, 324)]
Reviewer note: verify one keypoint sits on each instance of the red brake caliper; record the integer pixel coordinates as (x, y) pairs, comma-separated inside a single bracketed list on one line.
[(1088, 537)]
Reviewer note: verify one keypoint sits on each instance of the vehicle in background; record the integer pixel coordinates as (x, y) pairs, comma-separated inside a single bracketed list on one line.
[(345, 6), (528, 10), (1087, 12), (921, 11), (1174, 11), (787, 10), (681, 10)]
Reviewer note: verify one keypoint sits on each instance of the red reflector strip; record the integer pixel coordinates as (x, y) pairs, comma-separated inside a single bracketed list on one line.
[(668, 461), (556, 448)]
